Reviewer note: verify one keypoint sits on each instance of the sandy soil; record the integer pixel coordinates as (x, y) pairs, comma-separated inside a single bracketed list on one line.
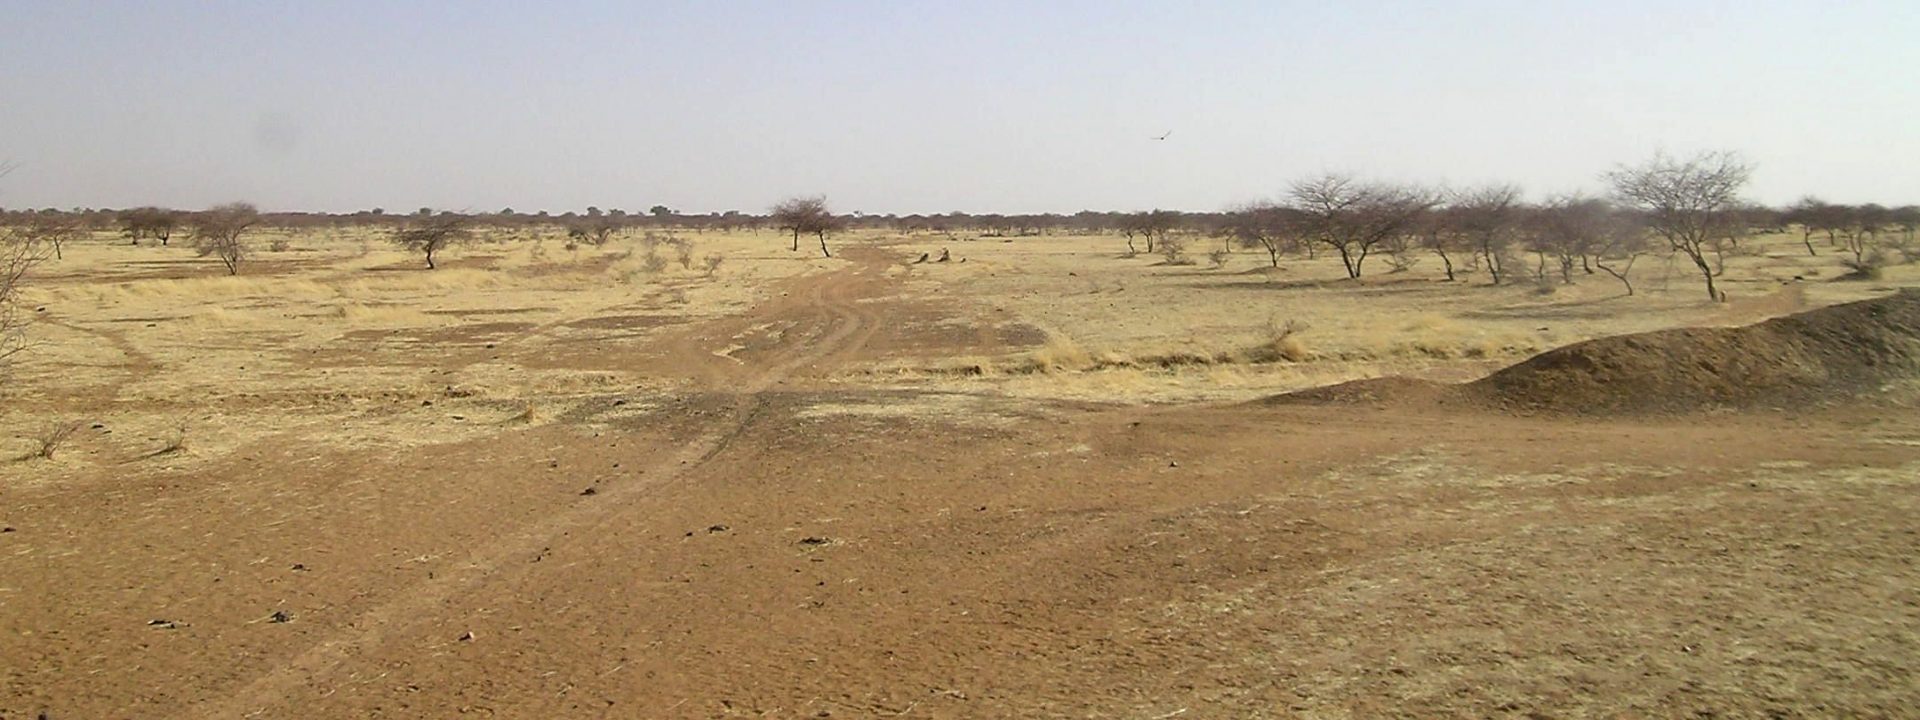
[(558, 484)]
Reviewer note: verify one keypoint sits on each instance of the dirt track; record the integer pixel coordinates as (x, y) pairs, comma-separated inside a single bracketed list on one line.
[(743, 554)]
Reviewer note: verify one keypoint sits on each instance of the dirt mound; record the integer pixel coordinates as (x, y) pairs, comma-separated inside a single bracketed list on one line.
[(1816, 356), (1813, 357), (1392, 390)]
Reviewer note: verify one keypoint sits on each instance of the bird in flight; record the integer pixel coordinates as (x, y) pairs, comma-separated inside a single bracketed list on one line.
[(1164, 136)]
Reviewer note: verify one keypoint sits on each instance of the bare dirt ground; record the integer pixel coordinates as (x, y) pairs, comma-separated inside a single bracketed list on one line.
[(553, 484)]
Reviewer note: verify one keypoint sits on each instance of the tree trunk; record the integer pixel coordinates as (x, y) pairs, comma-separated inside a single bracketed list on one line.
[(796, 239), (823, 245), (430, 259), (1620, 274), (1447, 261), (1699, 259), (1806, 237)]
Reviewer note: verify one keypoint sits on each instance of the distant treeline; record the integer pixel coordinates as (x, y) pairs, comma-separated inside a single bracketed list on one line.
[(1820, 217)]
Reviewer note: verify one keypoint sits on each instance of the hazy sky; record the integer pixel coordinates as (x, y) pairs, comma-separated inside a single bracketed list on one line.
[(889, 106)]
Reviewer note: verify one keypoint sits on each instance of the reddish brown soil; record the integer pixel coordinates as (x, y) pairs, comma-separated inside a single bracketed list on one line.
[(1832, 353), (1866, 351), (741, 556)]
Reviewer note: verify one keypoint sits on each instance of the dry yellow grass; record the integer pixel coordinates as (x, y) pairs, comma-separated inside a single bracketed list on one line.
[(343, 338), (1104, 312)]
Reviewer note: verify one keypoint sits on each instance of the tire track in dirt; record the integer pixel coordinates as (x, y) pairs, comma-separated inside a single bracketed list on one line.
[(138, 364), (849, 325)]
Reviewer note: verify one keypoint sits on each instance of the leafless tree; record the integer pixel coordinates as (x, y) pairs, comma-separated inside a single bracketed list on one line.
[(1858, 228), (1487, 221), (149, 222), (1174, 250), (18, 254), (808, 215), (1587, 232), (1158, 224), (52, 231), (1131, 226), (1263, 225), (596, 231), (1438, 233), (1625, 243), (1688, 203), (430, 234), (217, 231), (1353, 217), (1906, 218)]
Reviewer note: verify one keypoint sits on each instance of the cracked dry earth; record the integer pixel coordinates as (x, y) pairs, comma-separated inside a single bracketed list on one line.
[(778, 543)]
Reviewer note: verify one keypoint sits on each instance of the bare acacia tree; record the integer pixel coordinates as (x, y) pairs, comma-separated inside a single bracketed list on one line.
[(1625, 241), (19, 252), (1130, 226), (1688, 203), (17, 256), (596, 231), (1590, 233), (1353, 217), (52, 231), (217, 231), (807, 215), (1906, 218), (1158, 224), (1263, 225), (431, 234), (149, 222), (1487, 220)]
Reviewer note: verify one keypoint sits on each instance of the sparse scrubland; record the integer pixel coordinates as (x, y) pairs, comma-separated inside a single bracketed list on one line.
[(1291, 458)]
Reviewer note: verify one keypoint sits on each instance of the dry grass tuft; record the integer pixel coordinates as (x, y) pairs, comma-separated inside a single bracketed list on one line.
[(1282, 343), (50, 439), (1060, 354)]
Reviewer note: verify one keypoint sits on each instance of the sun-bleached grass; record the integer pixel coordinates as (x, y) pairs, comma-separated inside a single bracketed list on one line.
[(358, 314), (1109, 314), (342, 338)]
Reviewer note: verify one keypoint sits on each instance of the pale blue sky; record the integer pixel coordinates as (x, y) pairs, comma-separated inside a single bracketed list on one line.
[(930, 107)]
